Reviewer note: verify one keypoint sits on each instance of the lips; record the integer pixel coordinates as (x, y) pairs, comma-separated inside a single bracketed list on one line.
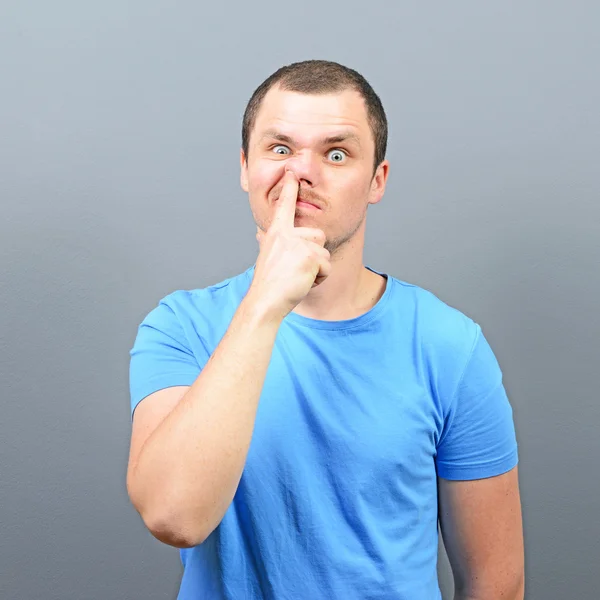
[(306, 203)]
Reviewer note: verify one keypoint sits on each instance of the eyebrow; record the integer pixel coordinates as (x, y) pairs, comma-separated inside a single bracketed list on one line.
[(345, 136)]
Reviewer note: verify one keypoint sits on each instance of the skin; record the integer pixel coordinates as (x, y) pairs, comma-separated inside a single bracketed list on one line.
[(338, 177), (482, 529), (480, 520)]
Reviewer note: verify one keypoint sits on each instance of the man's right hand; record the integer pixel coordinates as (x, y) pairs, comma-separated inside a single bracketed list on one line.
[(291, 261)]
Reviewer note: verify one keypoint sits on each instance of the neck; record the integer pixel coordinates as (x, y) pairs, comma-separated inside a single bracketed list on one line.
[(349, 291)]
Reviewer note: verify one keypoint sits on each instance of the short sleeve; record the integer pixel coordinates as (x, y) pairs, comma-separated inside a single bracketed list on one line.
[(478, 439), (161, 356)]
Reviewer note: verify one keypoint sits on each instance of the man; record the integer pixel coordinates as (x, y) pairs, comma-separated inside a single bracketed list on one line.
[(299, 428)]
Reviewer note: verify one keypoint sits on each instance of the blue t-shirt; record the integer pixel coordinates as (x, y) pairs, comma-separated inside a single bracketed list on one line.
[(357, 419)]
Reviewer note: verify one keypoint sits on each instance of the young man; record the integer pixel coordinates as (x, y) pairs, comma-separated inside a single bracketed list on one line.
[(299, 428)]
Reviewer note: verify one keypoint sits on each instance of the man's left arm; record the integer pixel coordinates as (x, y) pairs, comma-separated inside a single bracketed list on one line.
[(482, 530)]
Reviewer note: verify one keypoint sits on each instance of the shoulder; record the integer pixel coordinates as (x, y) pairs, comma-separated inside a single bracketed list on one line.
[(211, 302), (439, 328), (441, 337)]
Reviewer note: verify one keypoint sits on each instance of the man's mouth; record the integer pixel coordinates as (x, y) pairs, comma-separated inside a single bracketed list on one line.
[(306, 204)]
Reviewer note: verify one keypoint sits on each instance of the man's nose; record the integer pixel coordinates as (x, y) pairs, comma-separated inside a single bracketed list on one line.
[(306, 167)]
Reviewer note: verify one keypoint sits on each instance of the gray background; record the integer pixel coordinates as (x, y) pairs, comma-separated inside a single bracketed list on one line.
[(119, 183)]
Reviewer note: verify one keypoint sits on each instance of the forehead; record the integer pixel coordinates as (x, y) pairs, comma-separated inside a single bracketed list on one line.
[(308, 116)]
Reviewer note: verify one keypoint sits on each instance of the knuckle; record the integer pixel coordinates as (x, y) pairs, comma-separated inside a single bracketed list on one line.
[(313, 254)]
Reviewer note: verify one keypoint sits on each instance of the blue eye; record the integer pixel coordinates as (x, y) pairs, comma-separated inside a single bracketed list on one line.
[(337, 155), (277, 148)]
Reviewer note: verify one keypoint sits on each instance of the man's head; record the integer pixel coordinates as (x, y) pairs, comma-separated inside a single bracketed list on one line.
[(324, 122)]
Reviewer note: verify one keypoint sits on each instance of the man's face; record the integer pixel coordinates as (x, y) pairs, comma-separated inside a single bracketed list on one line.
[(327, 141)]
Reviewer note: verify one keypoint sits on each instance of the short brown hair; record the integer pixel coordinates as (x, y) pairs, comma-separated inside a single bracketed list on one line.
[(320, 77)]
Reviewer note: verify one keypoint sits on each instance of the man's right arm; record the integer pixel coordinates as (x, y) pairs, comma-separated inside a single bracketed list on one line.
[(188, 452), (184, 468)]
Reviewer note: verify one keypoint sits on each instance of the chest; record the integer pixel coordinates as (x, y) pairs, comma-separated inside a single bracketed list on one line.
[(357, 415)]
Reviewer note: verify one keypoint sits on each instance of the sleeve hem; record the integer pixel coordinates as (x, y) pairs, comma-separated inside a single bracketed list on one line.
[(482, 471), (161, 382)]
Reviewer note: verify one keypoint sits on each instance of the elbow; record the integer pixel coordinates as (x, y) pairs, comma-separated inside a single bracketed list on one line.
[(168, 531), (167, 525), (173, 530), (519, 588), (512, 589)]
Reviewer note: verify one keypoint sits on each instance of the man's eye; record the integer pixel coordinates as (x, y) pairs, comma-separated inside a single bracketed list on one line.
[(337, 155), (281, 149)]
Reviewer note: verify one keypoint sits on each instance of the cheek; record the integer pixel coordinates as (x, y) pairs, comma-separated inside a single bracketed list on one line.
[(262, 177), (353, 192)]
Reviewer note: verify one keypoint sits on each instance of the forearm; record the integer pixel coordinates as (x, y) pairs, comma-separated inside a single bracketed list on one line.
[(189, 468)]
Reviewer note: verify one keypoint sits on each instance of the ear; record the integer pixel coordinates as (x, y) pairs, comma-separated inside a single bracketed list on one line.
[(243, 171), (378, 182)]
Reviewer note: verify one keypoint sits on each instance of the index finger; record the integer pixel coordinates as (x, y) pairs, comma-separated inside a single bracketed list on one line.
[(286, 206)]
